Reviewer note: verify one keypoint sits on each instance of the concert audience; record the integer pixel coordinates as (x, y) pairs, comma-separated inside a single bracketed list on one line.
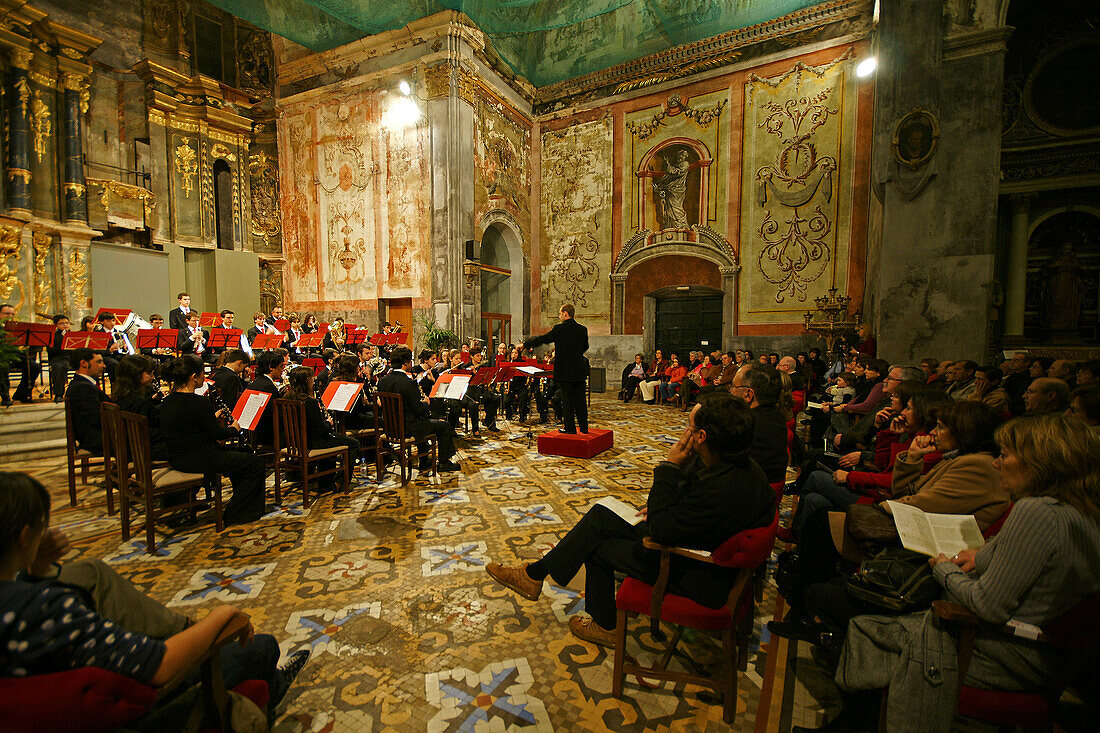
[(759, 385), (1046, 395), (1084, 403), (654, 375), (632, 376), (675, 372), (987, 389)]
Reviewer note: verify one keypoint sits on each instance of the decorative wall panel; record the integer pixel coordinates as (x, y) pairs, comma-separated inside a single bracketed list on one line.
[(406, 240), (797, 171), (298, 205), (502, 168), (576, 220)]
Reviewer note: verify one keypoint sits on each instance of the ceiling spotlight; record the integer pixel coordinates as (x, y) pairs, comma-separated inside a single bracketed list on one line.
[(866, 67), (405, 88)]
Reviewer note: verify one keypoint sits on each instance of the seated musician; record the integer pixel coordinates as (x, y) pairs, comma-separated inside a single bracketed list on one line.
[(309, 325), (325, 375), (518, 399), (116, 349), (270, 366), (161, 354), (335, 337), (259, 326), (59, 358), (417, 423), (135, 393), (213, 352), (193, 340), (481, 394), (423, 372), (361, 415), (227, 376), (192, 432), (319, 430), (85, 397), (290, 338), (276, 315)]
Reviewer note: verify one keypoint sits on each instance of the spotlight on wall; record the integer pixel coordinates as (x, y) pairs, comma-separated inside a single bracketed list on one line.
[(866, 67), (402, 112), (404, 88)]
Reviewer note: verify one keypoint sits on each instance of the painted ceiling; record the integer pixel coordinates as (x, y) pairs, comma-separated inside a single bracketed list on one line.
[(545, 41)]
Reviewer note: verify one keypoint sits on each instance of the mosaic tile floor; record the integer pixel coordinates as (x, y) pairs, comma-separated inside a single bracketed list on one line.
[(386, 585)]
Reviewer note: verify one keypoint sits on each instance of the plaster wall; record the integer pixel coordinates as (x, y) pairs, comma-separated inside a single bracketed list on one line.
[(126, 277)]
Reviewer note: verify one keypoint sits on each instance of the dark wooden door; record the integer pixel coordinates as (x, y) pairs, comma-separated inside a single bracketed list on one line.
[(691, 323)]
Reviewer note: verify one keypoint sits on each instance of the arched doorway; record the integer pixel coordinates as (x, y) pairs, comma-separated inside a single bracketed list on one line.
[(496, 281), (685, 319)]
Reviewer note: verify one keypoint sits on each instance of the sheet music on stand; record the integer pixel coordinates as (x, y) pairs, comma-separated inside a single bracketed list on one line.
[(250, 408), (94, 340), (451, 386), (157, 338), (341, 396)]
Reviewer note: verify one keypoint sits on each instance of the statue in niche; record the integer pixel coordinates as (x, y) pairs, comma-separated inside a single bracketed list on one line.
[(1062, 293), (670, 188)]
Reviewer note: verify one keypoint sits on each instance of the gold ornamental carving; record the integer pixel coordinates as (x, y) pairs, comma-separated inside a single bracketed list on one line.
[(21, 173), (220, 151), (702, 116), (78, 276), (72, 53), (108, 187), (21, 58), (24, 91), (11, 241), (437, 80), (187, 166), (41, 241), (265, 196), (467, 85), (43, 80), (41, 125), (76, 188)]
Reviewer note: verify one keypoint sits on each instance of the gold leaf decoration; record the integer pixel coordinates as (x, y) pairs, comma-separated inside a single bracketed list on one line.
[(187, 166), (41, 125)]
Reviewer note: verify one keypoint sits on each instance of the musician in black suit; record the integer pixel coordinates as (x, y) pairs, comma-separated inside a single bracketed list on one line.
[(481, 395), (290, 338), (270, 366), (259, 328), (319, 432), (85, 397), (227, 377), (192, 339), (28, 365), (116, 349), (177, 317), (417, 422), (570, 341), (59, 358)]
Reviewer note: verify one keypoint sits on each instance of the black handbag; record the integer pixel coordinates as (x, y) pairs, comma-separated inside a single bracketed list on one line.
[(895, 579)]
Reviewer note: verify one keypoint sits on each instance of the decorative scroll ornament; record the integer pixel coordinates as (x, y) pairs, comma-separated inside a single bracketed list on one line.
[(24, 94), (701, 116), (220, 151), (187, 166), (41, 241), (78, 276), (162, 18), (40, 125), (11, 241), (437, 80), (467, 85)]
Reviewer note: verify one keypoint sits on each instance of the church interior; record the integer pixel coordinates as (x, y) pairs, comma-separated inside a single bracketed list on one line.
[(916, 180)]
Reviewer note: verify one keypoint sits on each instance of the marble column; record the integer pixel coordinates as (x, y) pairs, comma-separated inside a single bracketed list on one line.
[(19, 138), (729, 304), (76, 198), (1016, 277)]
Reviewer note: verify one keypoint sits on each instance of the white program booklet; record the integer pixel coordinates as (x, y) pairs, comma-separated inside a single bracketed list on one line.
[(626, 511), (932, 534)]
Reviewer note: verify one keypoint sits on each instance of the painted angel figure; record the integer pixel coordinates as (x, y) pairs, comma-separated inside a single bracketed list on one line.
[(670, 189)]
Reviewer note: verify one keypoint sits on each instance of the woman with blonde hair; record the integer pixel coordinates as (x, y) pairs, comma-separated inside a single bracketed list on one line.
[(1043, 562)]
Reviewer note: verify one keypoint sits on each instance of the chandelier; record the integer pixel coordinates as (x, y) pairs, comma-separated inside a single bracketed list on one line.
[(831, 320)]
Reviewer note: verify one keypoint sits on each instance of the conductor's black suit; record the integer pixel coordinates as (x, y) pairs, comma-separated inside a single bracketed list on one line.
[(570, 341)]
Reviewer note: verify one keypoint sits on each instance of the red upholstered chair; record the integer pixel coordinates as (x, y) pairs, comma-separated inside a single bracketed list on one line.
[(90, 700), (746, 550), (1076, 634)]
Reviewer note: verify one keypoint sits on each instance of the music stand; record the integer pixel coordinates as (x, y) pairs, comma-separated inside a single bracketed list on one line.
[(207, 320), (310, 341), (282, 325), (121, 314), (221, 338), (158, 338), (265, 341), (29, 335), (393, 339), (356, 337), (317, 364), (378, 339)]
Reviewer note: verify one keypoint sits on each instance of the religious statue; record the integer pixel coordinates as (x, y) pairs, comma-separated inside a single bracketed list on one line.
[(1062, 294), (670, 189)]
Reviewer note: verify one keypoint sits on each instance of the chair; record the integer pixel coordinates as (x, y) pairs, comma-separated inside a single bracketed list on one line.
[(1076, 634), (111, 426), (139, 483), (293, 454), (90, 699), (369, 438), (747, 551), (393, 437), (74, 454)]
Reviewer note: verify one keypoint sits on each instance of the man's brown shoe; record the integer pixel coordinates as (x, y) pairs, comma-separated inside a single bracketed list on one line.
[(588, 630), (516, 579)]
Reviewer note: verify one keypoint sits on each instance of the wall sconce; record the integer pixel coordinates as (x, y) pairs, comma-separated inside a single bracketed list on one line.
[(470, 269)]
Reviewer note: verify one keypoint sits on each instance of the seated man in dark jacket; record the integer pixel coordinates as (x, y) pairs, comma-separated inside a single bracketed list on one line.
[(707, 490), (85, 397), (418, 424), (759, 385)]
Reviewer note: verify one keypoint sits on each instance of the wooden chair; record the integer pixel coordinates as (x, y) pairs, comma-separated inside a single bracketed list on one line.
[(1074, 636), (268, 454), (74, 454), (394, 440), (94, 699), (369, 439), (141, 484), (293, 454), (111, 425), (747, 551)]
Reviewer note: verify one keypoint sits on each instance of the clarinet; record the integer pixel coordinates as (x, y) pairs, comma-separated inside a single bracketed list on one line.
[(219, 405)]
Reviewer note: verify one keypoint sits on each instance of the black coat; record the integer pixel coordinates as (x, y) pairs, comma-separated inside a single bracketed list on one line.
[(416, 411), (570, 341), (185, 345), (85, 399), (265, 429), (769, 442), (189, 427), (177, 318), (229, 385)]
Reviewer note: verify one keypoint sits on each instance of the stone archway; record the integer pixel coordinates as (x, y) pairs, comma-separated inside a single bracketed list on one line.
[(702, 242), (519, 295)]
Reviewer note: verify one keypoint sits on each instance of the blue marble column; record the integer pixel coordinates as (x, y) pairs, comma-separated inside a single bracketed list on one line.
[(19, 140), (76, 198)]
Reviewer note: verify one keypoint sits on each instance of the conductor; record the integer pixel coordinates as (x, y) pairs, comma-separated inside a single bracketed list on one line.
[(570, 341)]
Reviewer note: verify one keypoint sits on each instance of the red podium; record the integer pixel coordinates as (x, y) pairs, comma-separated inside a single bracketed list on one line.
[(580, 445)]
